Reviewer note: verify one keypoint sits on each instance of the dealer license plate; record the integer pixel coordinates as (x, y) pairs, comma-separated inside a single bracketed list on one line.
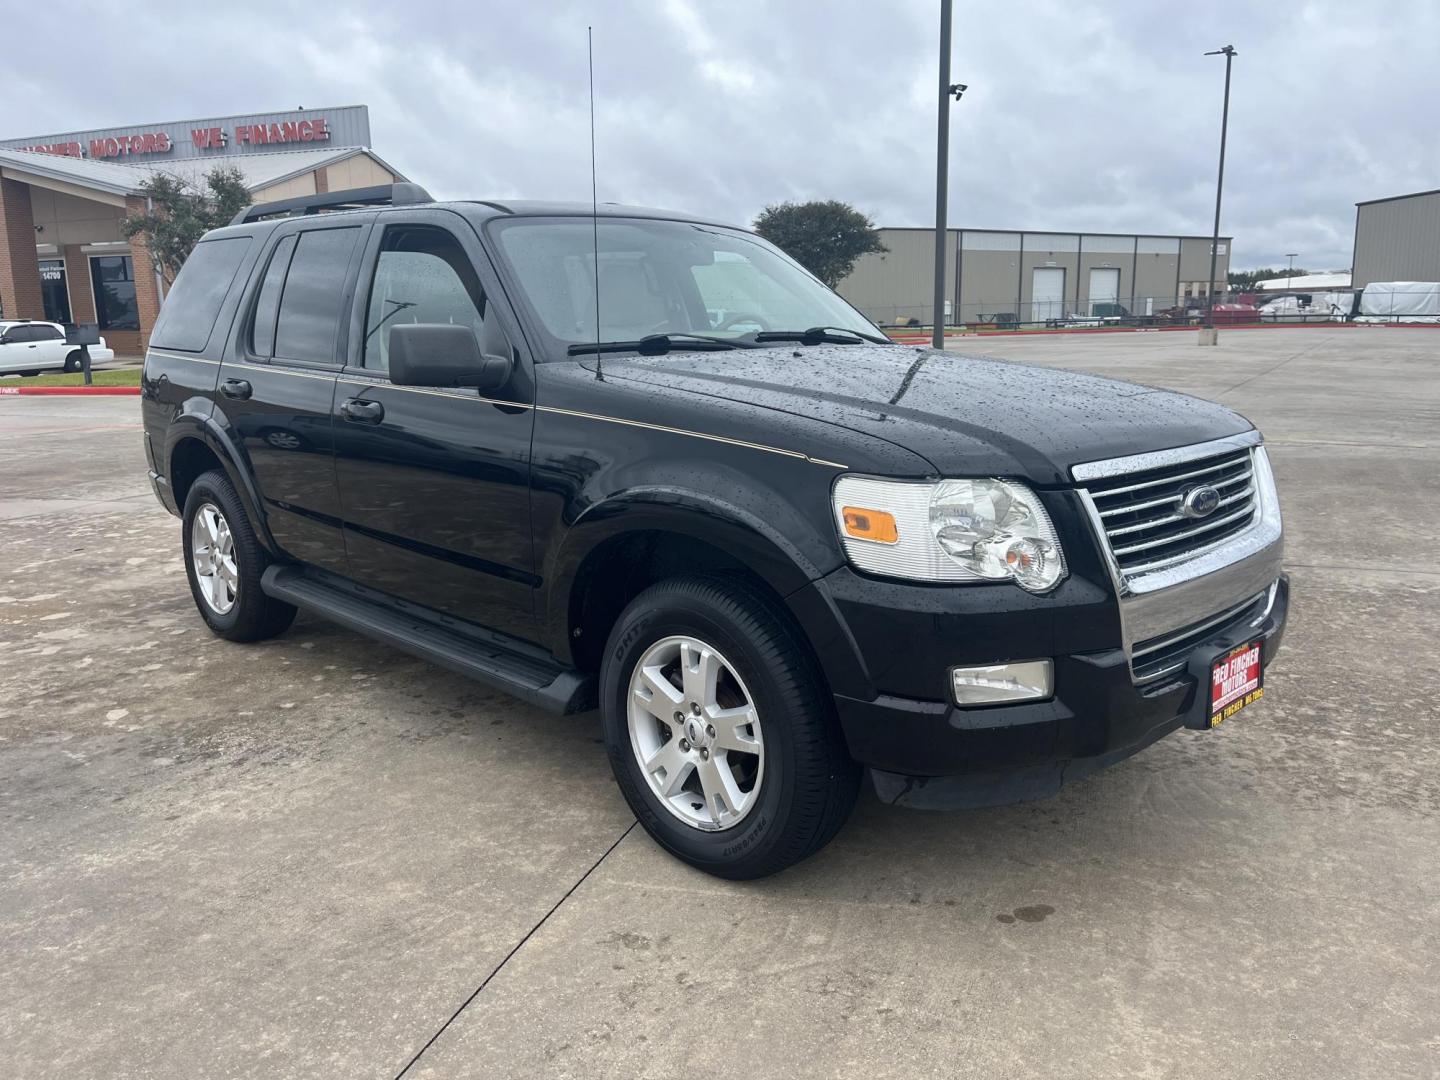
[(1235, 681)]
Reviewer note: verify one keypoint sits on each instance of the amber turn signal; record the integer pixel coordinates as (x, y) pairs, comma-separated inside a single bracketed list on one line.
[(876, 525)]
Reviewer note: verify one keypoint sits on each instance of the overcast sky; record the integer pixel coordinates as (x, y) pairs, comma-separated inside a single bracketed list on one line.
[(1080, 114)]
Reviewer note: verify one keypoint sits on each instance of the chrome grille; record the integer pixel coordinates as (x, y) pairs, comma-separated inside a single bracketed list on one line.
[(1152, 660), (1143, 513)]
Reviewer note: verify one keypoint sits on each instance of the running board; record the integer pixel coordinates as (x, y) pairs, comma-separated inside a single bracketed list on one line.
[(505, 663)]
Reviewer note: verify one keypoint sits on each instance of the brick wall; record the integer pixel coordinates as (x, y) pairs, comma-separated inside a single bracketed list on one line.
[(19, 266), (147, 295), (77, 281)]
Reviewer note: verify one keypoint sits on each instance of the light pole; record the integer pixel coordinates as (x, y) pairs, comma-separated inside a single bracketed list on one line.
[(1290, 270), (942, 171), (1209, 339)]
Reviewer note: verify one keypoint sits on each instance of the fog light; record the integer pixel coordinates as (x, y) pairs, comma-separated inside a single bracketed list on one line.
[(1001, 684)]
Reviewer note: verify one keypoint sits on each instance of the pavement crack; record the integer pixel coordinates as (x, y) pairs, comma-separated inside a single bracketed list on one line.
[(1261, 374), (518, 946)]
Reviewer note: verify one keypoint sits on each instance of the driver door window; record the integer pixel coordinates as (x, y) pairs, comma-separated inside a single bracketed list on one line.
[(422, 275)]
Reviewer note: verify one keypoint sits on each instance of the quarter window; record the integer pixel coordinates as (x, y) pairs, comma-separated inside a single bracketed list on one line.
[(194, 302), (422, 275)]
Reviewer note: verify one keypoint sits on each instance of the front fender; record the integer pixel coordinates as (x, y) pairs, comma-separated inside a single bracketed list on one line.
[(782, 564), (708, 518)]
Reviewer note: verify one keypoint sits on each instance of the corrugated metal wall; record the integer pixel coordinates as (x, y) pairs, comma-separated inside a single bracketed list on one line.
[(1398, 240), (994, 273), (900, 282)]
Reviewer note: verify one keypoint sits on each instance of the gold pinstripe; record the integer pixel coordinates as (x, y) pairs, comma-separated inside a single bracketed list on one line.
[(281, 370), (177, 356), (369, 381), (461, 394)]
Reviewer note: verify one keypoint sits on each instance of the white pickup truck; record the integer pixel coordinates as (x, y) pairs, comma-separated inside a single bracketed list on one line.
[(28, 348)]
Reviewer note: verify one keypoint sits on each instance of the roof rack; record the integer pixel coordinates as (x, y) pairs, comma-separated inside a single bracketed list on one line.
[(380, 195)]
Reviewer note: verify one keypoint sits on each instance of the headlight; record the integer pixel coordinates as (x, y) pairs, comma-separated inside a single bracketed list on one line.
[(949, 530)]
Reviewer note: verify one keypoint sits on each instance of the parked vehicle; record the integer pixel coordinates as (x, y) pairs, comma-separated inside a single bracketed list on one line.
[(28, 347), (515, 439)]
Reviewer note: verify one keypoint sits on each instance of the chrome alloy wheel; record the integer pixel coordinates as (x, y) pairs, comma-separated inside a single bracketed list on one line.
[(212, 554), (695, 733)]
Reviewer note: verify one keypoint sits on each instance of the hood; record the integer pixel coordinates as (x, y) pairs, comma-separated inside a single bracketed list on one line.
[(966, 415)]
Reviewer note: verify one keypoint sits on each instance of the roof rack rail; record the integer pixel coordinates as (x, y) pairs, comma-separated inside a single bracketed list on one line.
[(401, 194)]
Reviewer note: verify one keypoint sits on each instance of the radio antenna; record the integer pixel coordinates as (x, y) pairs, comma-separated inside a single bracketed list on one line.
[(594, 197)]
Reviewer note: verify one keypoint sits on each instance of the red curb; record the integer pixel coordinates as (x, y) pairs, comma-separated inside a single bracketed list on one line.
[(12, 391)]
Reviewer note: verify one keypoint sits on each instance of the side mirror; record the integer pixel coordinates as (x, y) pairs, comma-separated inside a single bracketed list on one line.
[(443, 354)]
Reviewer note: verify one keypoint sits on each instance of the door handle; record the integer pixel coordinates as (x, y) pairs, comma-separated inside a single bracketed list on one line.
[(235, 388), (362, 412)]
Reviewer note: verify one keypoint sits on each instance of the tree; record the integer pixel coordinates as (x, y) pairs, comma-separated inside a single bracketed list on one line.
[(181, 211), (824, 237)]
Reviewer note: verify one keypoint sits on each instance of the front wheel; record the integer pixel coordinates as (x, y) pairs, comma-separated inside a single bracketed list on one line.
[(72, 362), (720, 730)]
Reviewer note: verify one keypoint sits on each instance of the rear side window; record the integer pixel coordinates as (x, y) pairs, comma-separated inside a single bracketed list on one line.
[(310, 303), (193, 303)]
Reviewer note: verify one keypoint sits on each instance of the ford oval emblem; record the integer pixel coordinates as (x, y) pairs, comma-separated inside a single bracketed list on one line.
[(1200, 502)]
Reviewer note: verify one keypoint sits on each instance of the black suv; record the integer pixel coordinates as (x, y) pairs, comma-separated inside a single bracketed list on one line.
[(638, 461)]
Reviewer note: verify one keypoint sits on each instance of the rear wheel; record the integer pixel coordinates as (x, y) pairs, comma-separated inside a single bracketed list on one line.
[(72, 362), (720, 731), (224, 561)]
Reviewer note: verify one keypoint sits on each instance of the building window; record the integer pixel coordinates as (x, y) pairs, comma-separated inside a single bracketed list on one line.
[(114, 279)]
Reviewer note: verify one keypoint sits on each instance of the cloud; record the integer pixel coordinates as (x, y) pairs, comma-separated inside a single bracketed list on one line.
[(1080, 115)]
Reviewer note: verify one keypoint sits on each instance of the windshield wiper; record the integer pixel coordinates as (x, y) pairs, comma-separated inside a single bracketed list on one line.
[(820, 335), (656, 344)]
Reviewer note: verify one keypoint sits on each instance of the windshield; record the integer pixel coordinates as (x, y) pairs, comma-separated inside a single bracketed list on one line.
[(662, 277)]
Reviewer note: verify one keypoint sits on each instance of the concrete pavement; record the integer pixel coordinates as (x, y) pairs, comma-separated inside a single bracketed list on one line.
[(304, 858)]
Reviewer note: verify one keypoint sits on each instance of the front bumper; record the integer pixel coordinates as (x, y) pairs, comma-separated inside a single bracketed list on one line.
[(930, 753)]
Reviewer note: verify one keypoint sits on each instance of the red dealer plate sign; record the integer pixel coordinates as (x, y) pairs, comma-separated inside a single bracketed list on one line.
[(1235, 682)]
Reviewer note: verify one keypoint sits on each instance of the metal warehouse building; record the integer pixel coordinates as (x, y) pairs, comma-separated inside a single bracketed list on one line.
[(64, 199), (1034, 277), (1397, 239)]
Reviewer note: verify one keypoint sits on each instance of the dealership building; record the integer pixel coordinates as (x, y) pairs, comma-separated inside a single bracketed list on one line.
[(1004, 275), (64, 198)]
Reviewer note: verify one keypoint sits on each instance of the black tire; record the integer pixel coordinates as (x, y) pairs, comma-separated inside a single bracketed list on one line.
[(253, 616), (809, 784), (72, 361)]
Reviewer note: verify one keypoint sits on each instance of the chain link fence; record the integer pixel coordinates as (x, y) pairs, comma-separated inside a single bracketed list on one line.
[(1233, 308)]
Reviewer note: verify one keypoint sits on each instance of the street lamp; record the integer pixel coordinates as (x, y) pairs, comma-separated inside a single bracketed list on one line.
[(942, 171), (1290, 270), (1209, 338)]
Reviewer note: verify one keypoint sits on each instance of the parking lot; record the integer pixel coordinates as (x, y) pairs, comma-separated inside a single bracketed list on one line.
[(318, 857)]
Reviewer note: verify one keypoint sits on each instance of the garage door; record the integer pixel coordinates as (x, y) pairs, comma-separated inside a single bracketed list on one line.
[(1104, 288), (1047, 293)]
